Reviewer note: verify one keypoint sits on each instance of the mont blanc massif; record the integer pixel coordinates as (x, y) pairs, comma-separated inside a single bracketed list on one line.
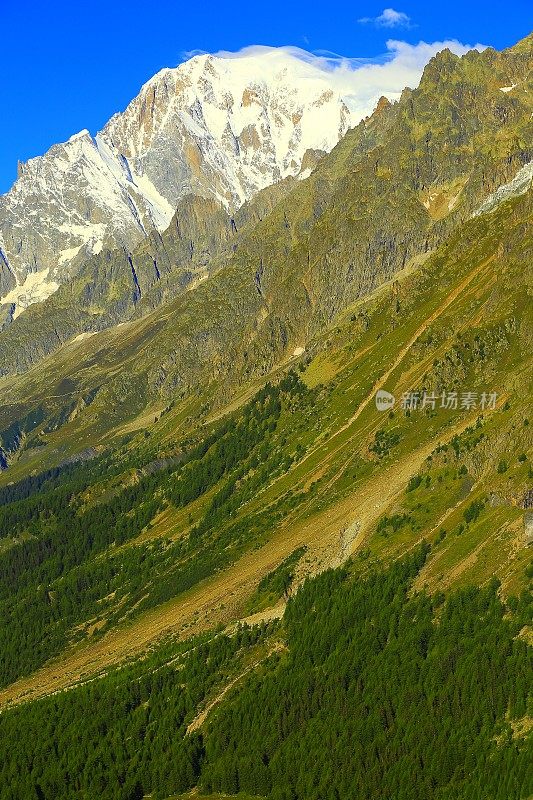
[(266, 439)]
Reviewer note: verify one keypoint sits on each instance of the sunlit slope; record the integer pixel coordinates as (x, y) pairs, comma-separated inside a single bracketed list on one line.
[(392, 189), (311, 463)]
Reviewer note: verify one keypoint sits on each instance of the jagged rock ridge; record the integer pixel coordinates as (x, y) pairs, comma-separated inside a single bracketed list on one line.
[(221, 128)]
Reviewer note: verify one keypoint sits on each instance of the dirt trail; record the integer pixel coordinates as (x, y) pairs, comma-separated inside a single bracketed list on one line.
[(199, 720), (382, 380), (380, 383)]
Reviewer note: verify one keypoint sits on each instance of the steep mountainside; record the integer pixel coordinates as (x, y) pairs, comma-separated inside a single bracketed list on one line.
[(204, 517), (268, 468), (216, 127), (116, 285), (387, 194), (224, 565)]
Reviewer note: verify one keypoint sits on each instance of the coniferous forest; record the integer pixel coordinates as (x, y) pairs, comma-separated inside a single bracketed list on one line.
[(374, 690)]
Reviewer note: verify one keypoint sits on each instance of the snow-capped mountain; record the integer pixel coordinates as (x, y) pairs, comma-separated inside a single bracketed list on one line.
[(214, 126)]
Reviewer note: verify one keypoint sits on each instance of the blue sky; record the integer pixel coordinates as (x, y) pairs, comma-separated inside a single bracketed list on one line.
[(70, 65)]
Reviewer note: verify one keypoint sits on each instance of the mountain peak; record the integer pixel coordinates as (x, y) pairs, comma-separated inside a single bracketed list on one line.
[(383, 104), (84, 134), (218, 126), (221, 127)]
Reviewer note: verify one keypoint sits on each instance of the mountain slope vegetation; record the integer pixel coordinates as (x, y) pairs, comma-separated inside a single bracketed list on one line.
[(218, 550), (415, 696)]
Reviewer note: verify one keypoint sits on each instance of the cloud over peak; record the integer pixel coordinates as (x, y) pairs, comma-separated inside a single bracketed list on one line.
[(361, 81)]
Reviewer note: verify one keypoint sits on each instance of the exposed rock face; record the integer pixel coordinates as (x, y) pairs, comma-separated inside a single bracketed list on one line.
[(389, 192), (6, 315), (116, 285), (219, 128), (7, 278)]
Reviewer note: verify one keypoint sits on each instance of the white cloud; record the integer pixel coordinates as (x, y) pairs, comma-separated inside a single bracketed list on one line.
[(360, 81), (389, 18)]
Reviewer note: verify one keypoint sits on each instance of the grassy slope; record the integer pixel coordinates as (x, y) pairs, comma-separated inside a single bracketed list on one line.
[(459, 320)]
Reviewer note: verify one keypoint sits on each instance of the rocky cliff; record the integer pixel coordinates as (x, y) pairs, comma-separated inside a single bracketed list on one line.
[(220, 128)]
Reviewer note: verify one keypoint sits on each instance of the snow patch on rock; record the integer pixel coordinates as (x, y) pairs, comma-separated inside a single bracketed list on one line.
[(36, 287), (518, 185)]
